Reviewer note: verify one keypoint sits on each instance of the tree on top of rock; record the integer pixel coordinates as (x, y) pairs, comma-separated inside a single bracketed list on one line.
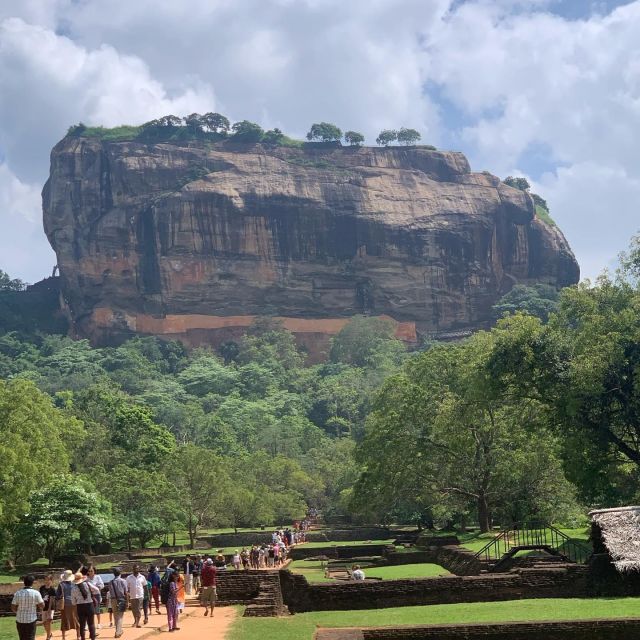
[(386, 137), (168, 121), (245, 131), (273, 136), (353, 138), (408, 136), (324, 132), (517, 183), (216, 123), (195, 122)]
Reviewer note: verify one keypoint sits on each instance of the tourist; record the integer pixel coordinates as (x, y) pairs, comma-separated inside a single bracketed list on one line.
[(244, 556), (25, 604), (48, 594), (154, 579), (236, 560), (276, 554), (172, 602), (146, 600), (136, 583), (68, 613), (271, 555), (180, 590), (82, 598), (357, 573), (262, 557), (220, 562), (119, 594), (187, 569), (197, 570), (97, 582), (208, 594)]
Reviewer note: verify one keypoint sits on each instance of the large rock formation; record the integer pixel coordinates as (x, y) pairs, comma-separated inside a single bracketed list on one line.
[(193, 240)]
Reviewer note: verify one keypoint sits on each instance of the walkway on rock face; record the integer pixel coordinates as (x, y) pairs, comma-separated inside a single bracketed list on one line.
[(193, 625)]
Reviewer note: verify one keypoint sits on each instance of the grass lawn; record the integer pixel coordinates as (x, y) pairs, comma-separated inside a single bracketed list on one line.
[(310, 569), (303, 625), (475, 541), (423, 570), (8, 628)]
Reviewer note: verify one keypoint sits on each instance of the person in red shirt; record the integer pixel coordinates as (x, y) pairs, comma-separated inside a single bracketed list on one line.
[(208, 582)]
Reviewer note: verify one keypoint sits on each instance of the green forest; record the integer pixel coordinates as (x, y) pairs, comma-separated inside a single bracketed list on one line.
[(119, 447)]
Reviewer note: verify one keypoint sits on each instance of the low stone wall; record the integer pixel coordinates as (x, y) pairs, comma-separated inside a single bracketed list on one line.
[(354, 534), (457, 560), (300, 596), (300, 552), (603, 629)]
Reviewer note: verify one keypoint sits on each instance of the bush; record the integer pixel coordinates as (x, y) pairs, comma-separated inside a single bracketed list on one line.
[(324, 132)]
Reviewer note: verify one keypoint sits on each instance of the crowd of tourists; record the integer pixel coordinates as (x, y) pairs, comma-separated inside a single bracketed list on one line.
[(78, 596)]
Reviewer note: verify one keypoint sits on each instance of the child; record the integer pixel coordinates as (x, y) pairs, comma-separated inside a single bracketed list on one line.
[(109, 609)]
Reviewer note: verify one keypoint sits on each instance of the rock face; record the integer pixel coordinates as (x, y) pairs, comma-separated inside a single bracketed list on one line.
[(194, 240)]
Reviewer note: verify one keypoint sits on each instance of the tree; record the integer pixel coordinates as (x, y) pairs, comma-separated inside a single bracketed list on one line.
[(386, 137), (195, 122), (216, 123), (540, 300), (65, 511), (408, 136), (539, 202), (145, 502), (517, 183), (169, 121), (206, 374), (10, 284), (146, 442), (203, 481), (246, 131), (353, 138), (273, 136), (35, 443), (364, 341), (324, 132), (452, 436)]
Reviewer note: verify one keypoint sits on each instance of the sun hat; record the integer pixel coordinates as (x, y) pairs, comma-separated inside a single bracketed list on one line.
[(78, 578), (209, 561), (66, 576)]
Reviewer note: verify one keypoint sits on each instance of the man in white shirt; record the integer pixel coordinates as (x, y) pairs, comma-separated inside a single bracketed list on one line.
[(25, 604), (136, 584)]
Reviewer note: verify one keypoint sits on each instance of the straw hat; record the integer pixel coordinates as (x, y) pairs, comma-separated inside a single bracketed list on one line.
[(78, 578), (67, 576)]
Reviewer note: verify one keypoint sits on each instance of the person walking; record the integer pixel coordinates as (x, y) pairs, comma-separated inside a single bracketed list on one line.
[(146, 601), (136, 584), (98, 583), (180, 591), (208, 578), (197, 571), (68, 613), (154, 580), (172, 603), (119, 594), (187, 570), (48, 594), (82, 597), (25, 604)]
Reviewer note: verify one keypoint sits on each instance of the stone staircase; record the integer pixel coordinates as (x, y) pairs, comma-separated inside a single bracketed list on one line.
[(268, 603)]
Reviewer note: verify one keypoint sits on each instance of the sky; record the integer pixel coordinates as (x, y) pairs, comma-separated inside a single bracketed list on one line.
[(547, 89)]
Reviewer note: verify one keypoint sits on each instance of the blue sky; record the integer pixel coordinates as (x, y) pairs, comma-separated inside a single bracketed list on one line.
[(549, 89)]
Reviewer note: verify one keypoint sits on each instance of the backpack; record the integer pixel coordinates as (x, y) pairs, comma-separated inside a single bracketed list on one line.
[(164, 588)]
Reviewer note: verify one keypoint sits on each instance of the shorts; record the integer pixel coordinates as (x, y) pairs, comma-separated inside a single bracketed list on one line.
[(48, 615), (208, 596)]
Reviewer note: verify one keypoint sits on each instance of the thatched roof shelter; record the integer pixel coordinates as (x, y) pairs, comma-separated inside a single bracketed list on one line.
[(619, 531)]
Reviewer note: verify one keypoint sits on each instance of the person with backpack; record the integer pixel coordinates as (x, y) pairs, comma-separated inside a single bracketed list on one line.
[(155, 580), (82, 596), (119, 599)]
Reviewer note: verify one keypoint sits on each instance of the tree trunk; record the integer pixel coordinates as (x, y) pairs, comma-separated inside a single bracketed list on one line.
[(483, 514)]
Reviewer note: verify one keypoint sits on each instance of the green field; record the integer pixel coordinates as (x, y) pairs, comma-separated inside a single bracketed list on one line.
[(403, 571), (475, 541), (325, 545), (303, 625)]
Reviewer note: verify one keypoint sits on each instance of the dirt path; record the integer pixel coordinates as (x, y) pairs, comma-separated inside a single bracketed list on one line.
[(193, 625)]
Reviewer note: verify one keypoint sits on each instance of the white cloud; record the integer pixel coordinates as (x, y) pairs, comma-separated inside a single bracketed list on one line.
[(24, 249)]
